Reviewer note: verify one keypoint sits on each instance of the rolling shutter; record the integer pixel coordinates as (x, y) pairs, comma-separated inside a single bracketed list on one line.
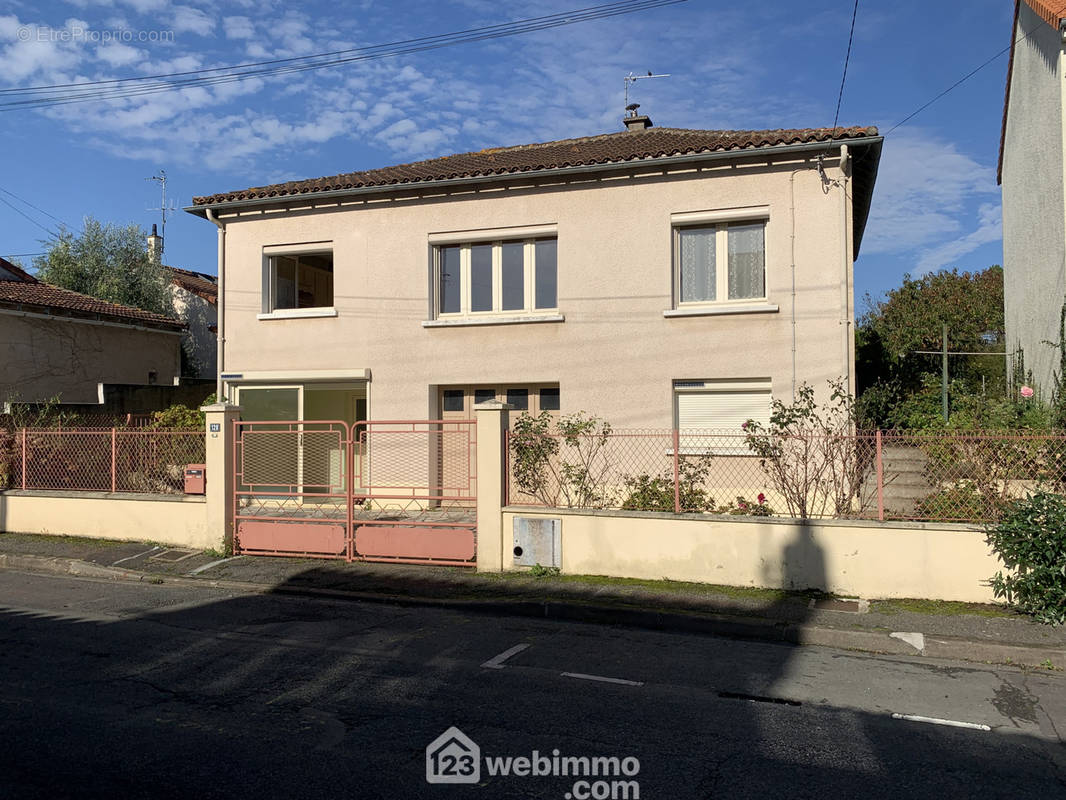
[(721, 406)]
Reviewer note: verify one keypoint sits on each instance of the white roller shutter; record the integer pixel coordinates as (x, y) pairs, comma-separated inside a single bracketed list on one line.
[(721, 407)]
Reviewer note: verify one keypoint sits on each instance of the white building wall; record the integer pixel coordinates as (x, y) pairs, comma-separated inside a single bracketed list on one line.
[(1034, 227)]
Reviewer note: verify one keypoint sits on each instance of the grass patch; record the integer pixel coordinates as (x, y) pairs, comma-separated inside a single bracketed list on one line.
[(53, 538), (947, 608), (665, 586)]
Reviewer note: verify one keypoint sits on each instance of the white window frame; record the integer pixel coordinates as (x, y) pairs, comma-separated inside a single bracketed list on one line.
[(529, 268), (270, 288), (720, 221)]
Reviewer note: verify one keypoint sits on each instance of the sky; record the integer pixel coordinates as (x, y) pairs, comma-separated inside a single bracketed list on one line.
[(732, 66)]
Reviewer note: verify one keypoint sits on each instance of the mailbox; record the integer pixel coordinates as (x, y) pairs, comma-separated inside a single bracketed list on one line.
[(195, 482)]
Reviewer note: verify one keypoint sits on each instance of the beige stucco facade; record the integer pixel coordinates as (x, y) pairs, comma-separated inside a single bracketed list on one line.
[(612, 350), (45, 356), (199, 340)]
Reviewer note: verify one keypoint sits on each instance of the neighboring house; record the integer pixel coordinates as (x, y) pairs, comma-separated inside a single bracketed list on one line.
[(654, 277), (195, 297), (59, 343), (1032, 168)]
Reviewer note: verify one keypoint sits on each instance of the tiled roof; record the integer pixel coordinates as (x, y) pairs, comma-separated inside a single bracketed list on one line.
[(33, 295), (199, 283), (621, 147), (1052, 16)]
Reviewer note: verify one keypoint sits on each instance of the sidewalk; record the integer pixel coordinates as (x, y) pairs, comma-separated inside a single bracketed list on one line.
[(919, 628)]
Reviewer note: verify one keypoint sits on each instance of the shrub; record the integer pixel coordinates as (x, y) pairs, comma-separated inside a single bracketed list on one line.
[(574, 477), (1030, 539), (743, 507), (656, 493), (962, 502)]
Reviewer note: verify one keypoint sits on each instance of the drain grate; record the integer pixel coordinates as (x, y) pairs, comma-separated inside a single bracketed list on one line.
[(172, 555), (755, 698)]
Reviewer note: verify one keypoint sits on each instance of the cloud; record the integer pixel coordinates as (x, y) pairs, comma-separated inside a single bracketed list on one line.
[(191, 20), (118, 55), (989, 230), (238, 28), (925, 193)]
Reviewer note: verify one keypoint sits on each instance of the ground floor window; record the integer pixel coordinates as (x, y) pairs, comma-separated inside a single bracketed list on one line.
[(457, 402), (721, 405)]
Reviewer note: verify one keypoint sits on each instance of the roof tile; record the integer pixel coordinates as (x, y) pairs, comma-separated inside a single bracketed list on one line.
[(53, 298), (620, 147)]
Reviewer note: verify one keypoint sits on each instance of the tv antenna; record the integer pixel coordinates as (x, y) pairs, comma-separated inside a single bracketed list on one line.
[(161, 179), (631, 78)]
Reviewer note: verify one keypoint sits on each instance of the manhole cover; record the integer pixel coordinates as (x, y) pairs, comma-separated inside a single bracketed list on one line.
[(833, 604), (174, 555)]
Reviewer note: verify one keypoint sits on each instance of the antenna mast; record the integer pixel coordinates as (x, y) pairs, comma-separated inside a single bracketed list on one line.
[(631, 78), (161, 179)]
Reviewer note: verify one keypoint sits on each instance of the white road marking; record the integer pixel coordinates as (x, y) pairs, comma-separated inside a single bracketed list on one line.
[(131, 558), (206, 567), (937, 721), (601, 679), (496, 662), (915, 640)]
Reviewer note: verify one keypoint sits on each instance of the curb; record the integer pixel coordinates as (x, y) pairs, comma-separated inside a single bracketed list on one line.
[(722, 625)]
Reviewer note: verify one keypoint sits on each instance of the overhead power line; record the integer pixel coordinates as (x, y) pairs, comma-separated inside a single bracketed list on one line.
[(120, 88), (31, 205), (847, 58), (973, 72), (19, 211)]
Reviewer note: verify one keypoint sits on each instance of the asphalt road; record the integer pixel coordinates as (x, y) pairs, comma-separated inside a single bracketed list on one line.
[(136, 690)]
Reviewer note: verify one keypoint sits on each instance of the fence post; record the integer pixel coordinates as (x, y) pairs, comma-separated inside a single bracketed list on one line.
[(114, 460), (23, 459), (492, 424), (677, 471), (219, 423), (880, 481)]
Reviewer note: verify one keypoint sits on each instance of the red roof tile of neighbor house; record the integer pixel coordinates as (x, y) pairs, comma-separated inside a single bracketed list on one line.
[(199, 283), (1053, 14), (26, 293), (609, 148)]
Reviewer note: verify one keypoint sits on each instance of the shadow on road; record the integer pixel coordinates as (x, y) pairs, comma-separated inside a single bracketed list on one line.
[(280, 696)]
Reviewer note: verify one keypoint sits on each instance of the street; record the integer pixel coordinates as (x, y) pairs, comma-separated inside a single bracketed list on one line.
[(126, 690)]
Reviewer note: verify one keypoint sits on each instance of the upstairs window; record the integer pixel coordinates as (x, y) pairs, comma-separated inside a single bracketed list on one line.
[(297, 280), (496, 278), (720, 262)]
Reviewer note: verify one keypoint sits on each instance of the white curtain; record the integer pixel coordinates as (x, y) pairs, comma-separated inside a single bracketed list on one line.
[(747, 261), (697, 265)]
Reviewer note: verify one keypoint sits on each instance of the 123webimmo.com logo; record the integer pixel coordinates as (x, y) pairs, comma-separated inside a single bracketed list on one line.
[(453, 757)]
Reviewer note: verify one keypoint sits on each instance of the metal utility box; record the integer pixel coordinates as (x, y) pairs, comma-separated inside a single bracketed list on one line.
[(195, 480), (537, 541)]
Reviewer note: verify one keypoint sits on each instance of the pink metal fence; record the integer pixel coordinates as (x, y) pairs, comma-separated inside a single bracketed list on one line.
[(935, 476), (99, 459), (381, 490)]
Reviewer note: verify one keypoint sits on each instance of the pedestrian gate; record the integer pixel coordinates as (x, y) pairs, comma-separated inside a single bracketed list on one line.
[(392, 491)]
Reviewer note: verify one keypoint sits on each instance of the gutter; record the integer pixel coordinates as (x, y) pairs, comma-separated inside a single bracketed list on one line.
[(614, 166), (87, 321)]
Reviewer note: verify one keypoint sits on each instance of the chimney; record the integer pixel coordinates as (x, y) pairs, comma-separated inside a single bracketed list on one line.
[(155, 246), (634, 121)]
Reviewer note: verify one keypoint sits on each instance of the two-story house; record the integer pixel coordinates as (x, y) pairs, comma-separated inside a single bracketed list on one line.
[(654, 277), (1032, 173)]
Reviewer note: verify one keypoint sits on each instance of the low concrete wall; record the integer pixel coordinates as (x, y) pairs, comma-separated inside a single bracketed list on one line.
[(177, 520), (857, 559)]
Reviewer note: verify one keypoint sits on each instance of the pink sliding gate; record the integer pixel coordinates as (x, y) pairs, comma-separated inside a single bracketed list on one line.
[(400, 491)]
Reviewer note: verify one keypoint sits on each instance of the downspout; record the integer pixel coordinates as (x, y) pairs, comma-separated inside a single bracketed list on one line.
[(220, 337), (792, 266), (845, 277)]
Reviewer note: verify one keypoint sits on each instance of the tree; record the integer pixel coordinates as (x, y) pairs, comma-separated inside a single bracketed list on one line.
[(107, 261), (911, 318)]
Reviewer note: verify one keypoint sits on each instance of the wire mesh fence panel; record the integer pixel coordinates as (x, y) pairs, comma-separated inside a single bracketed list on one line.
[(967, 477), (154, 461), (101, 460), (939, 476), (416, 467)]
